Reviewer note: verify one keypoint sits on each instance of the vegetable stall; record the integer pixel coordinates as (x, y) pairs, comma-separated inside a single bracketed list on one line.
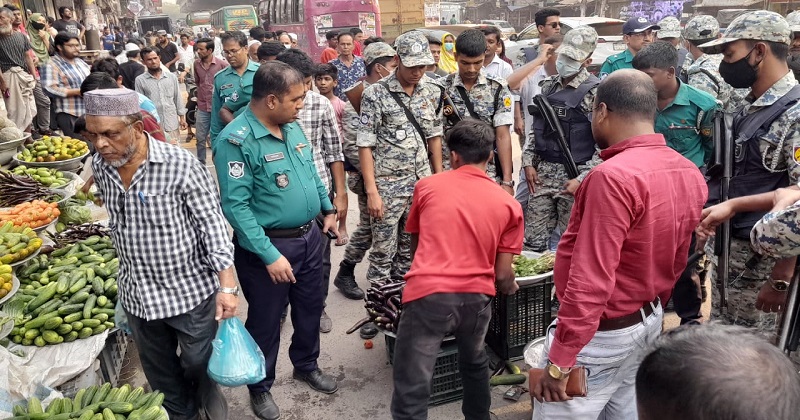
[(58, 290)]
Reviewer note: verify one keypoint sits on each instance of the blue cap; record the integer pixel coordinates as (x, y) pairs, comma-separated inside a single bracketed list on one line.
[(637, 25)]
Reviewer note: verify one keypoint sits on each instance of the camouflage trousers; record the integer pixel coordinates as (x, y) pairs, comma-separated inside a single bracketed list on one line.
[(491, 170), (743, 290), (361, 238), (390, 255), (547, 207)]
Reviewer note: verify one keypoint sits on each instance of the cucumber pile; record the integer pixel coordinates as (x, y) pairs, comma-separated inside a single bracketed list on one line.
[(97, 403), (67, 295)]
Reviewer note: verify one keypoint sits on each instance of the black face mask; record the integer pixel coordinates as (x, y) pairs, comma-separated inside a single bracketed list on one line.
[(739, 74), (38, 26)]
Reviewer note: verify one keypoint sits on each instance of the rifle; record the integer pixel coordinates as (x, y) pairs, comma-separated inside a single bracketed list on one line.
[(724, 150), (542, 107), (789, 337)]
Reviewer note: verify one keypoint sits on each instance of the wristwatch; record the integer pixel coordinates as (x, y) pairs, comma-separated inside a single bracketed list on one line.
[(507, 183), (230, 290), (329, 212), (556, 372), (779, 285)]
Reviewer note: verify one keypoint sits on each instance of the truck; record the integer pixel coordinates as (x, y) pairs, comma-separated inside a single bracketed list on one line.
[(398, 16), (155, 23)]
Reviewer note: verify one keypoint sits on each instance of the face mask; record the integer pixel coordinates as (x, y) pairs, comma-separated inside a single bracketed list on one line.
[(38, 26), (567, 67), (448, 46), (739, 74), (287, 46)]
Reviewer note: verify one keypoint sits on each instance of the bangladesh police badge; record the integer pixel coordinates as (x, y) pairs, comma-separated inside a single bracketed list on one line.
[(235, 169), (282, 180), (235, 96)]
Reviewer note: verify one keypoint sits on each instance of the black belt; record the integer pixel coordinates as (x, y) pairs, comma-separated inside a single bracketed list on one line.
[(297, 232), (626, 321)]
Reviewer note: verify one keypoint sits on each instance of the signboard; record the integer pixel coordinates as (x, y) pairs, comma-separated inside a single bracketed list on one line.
[(323, 23), (243, 12), (135, 7), (433, 10), (366, 21)]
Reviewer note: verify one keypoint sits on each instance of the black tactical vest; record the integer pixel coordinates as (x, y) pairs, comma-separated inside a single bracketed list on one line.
[(575, 123)]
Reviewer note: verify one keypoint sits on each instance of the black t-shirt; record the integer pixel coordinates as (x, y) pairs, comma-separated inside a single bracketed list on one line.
[(129, 71), (71, 26), (167, 54)]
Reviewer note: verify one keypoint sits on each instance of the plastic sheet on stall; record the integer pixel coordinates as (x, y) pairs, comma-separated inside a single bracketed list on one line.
[(41, 369)]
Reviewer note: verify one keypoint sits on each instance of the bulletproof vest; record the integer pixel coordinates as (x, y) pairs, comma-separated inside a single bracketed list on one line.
[(749, 174), (576, 125)]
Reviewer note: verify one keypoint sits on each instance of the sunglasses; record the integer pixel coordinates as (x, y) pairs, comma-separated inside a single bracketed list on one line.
[(554, 25)]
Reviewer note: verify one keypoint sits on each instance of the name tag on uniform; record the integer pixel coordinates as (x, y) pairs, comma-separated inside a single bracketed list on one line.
[(226, 86), (272, 157)]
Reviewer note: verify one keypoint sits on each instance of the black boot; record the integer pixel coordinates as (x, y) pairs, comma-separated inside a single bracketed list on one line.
[(345, 281)]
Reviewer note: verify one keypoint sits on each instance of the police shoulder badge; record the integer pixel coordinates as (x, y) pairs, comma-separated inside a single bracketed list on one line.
[(797, 154), (236, 169), (507, 102), (282, 180)]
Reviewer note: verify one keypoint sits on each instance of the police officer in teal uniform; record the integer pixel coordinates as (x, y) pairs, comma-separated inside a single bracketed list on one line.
[(271, 194), (636, 33), (685, 113), (233, 85)]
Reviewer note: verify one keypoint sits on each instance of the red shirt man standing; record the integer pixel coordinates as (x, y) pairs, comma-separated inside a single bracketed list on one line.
[(624, 248), (465, 231)]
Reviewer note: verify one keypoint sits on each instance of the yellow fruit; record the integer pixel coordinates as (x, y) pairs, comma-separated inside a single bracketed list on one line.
[(5, 269), (6, 286)]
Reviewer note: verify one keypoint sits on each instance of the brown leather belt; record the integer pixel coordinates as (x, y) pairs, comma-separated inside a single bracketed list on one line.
[(626, 321)]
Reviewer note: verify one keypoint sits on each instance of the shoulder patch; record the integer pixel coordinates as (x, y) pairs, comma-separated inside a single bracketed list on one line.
[(235, 169), (507, 102), (364, 119)]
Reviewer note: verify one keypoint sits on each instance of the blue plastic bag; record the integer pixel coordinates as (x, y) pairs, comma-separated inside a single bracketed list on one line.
[(236, 358)]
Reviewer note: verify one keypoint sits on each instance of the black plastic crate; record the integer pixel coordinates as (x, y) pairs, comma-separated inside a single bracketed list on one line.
[(518, 319), (446, 383), (112, 356)]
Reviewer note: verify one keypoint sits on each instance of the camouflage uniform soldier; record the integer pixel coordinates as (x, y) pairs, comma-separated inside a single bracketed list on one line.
[(489, 99), (393, 149), (703, 73), (777, 234), (379, 59), (670, 31), (572, 91), (768, 150)]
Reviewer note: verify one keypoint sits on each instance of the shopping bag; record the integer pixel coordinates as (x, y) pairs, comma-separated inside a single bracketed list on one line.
[(236, 358)]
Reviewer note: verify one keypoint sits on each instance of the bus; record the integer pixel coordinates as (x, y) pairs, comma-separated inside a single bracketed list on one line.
[(234, 18), (311, 19), (199, 22)]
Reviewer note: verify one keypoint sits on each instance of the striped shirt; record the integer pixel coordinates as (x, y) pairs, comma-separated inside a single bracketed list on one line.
[(318, 121), (12, 51), (166, 94), (61, 75), (168, 229)]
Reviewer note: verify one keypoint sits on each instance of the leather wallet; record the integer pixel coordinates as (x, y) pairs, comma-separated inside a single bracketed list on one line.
[(576, 383)]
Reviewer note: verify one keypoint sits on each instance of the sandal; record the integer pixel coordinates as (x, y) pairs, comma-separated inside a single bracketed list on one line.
[(342, 240)]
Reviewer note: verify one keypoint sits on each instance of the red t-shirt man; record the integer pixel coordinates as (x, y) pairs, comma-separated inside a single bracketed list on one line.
[(465, 230), (328, 54)]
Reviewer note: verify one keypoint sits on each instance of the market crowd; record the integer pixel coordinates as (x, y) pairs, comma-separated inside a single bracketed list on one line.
[(420, 130)]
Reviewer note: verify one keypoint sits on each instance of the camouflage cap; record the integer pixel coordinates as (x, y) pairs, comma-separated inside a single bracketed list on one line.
[(377, 50), (579, 43), (670, 28), (413, 49), (760, 25), (794, 21), (701, 27)]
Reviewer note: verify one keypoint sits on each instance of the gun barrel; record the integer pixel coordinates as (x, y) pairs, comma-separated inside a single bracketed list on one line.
[(788, 338), (546, 110)]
